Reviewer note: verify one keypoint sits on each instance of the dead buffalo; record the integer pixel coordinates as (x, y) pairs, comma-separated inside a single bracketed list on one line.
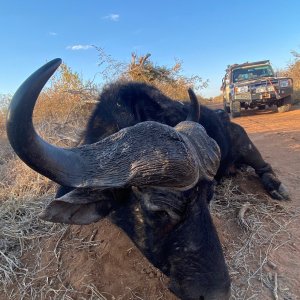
[(149, 166)]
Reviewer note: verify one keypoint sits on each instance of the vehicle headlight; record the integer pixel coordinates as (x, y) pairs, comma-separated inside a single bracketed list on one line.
[(285, 83), (261, 89), (242, 89)]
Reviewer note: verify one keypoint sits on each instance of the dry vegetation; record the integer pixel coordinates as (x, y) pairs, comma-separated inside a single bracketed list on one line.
[(250, 225), (59, 116), (169, 80), (252, 228), (293, 71)]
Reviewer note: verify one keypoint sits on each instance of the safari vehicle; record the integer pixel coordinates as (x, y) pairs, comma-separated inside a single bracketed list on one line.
[(255, 84)]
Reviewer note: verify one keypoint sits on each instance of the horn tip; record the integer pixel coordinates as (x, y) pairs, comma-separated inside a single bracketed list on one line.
[(194, 113), (55, 63)]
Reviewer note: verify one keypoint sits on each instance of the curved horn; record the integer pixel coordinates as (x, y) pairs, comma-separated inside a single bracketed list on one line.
[(147, 154), (54, 163), (205, 149), (194, 112)]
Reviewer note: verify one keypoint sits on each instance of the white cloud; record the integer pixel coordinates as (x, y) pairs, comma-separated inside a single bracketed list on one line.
[(79, 47), (52, 33), (112, 17)]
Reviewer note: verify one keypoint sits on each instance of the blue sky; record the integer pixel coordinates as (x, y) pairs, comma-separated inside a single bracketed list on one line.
[(205, 35)]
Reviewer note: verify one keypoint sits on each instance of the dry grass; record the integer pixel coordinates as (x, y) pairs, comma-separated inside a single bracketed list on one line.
[(255, 227), (20, 234), (23, 272), (23, 194)]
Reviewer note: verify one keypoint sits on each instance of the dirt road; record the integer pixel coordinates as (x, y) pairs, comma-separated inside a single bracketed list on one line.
[(278, 138)]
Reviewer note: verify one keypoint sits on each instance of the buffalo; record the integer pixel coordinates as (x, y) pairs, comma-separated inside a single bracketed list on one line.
[(149, 164)]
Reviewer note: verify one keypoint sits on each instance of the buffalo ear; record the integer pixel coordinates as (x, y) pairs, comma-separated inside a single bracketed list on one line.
[(80, 206)]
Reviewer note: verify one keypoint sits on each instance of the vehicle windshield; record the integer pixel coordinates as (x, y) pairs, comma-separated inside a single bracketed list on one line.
[(252, 73)]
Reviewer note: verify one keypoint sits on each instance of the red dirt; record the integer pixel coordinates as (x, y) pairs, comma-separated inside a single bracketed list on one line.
[(277, 136)]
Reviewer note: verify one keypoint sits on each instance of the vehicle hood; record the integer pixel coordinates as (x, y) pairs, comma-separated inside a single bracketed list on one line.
[(259, 81)]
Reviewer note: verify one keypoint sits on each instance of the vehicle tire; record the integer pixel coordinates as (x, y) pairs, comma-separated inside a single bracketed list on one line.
[(235, 109), (284, 104), (284, 108), (225, 106), (261, 107)]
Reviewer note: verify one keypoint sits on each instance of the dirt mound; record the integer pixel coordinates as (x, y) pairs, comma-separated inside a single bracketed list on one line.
[(100, 260)]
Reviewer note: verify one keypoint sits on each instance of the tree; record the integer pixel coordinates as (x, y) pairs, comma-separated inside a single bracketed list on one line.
[(293, 71), (170, 80), (68, 84), (65, 99), (4, 102)]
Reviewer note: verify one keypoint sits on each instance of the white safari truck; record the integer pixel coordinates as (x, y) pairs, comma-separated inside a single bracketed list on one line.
[(255, 84)]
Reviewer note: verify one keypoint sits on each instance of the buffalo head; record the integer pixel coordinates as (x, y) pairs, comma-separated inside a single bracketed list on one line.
[(150, 179)]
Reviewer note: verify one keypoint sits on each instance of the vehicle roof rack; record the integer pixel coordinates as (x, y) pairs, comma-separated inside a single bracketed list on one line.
[(261, 62)]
